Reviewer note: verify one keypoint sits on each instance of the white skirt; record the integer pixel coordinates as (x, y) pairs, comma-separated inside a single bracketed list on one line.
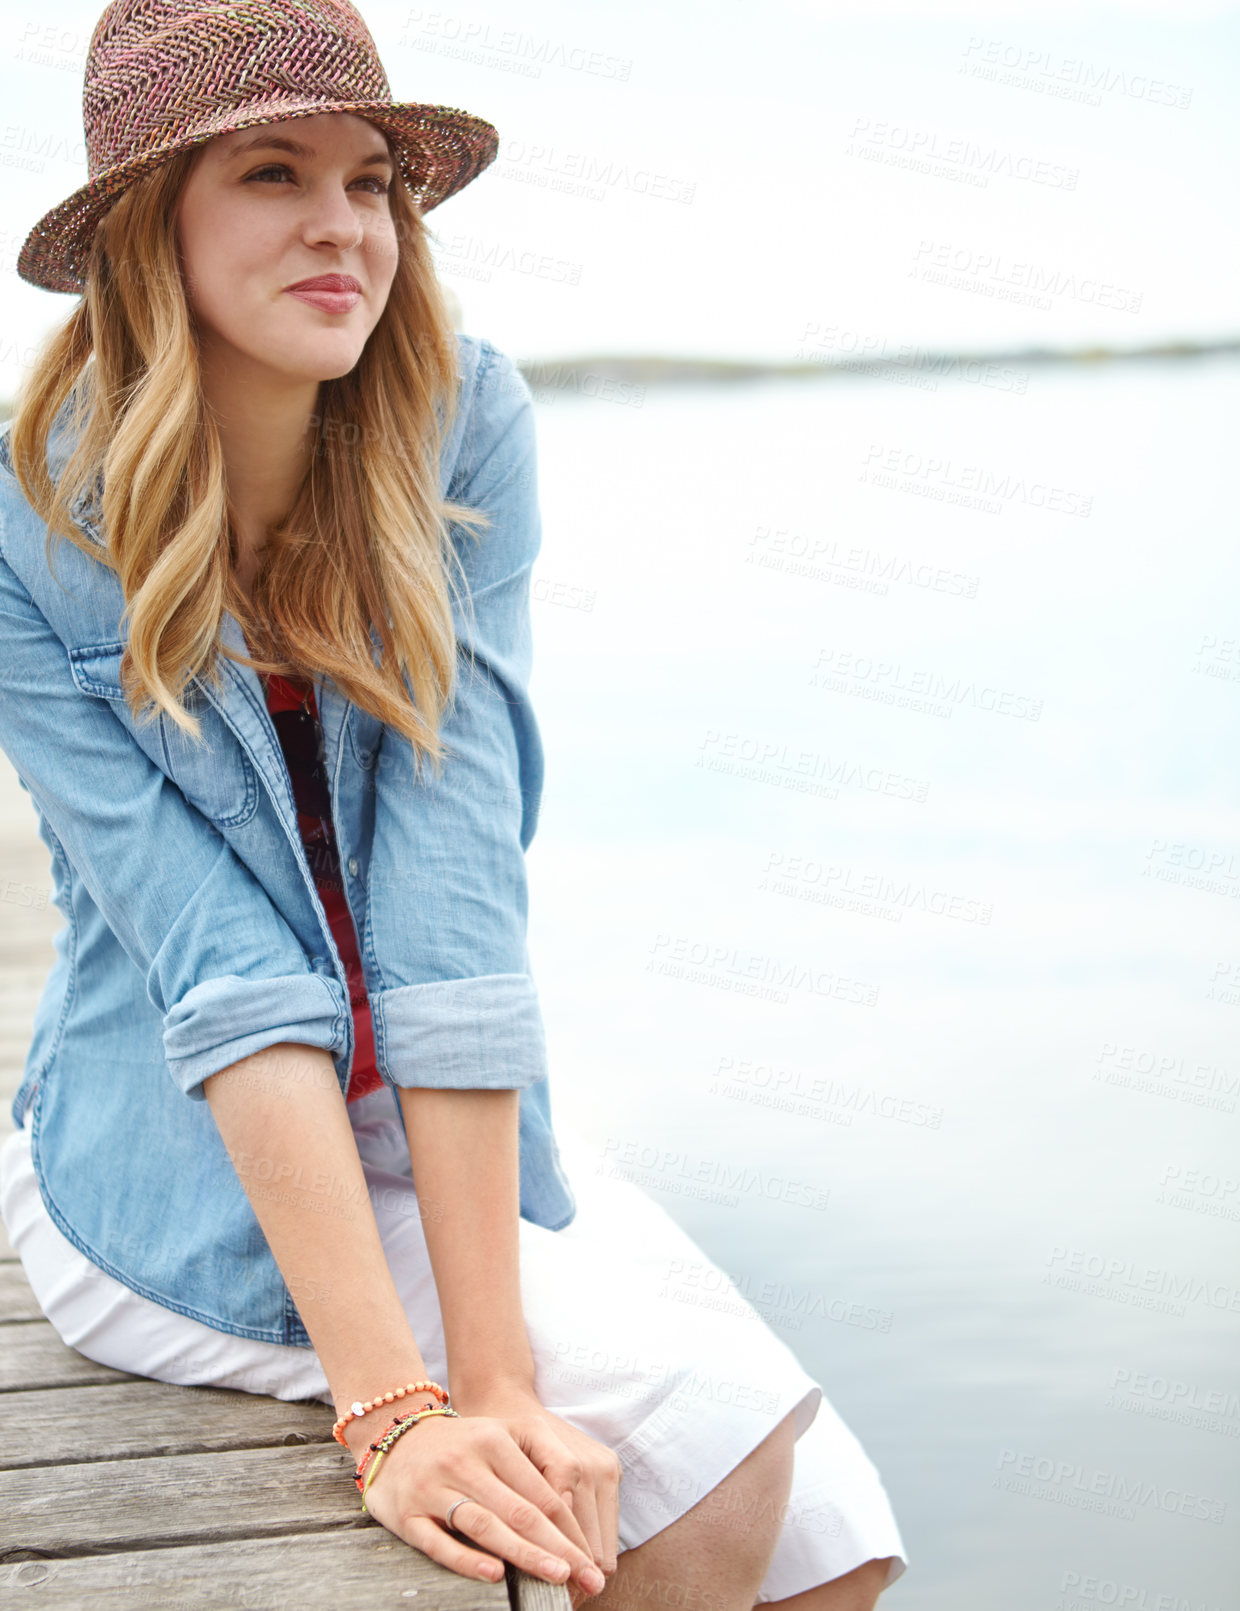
[(681, 1378)]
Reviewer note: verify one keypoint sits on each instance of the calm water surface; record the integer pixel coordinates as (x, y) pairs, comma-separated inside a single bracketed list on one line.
[(885, 910)]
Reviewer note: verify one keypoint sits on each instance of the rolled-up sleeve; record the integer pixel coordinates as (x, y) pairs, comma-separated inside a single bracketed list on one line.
[(221, 965), (455, 1003)]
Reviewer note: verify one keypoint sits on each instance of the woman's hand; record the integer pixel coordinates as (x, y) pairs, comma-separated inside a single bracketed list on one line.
[(510, 1509), (585, 1471)]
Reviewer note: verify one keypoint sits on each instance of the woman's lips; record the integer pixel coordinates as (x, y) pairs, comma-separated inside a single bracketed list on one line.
[(329, 301)]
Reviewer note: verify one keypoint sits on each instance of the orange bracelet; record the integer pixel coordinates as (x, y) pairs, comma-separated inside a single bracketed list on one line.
[(385, 1439), (359, 1408)]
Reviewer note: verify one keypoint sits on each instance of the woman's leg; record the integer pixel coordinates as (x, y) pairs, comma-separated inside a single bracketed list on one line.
[(720, 1549), (855, 1591), (641, 1342)]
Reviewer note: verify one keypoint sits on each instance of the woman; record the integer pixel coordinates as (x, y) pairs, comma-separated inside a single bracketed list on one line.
[(270, 702)]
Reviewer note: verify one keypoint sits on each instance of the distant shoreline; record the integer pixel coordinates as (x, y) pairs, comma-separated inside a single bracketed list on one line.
[(659, 369)]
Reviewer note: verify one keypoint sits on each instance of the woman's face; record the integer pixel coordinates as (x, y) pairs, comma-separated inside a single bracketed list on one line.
[(256, 217)]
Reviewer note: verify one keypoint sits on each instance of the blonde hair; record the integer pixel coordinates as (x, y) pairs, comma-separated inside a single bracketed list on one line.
[(366, 544)]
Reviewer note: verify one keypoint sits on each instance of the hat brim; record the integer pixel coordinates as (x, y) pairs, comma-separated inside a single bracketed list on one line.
[(440, 150)]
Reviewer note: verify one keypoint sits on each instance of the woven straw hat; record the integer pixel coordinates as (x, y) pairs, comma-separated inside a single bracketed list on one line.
[(162, 75)]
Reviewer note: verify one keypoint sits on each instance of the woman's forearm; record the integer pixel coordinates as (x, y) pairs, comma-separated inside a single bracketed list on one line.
[(285, 1123), (463, 1148)]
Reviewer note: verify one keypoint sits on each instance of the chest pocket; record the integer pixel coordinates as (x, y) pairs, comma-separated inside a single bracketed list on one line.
[(215, 775), (365, 733)]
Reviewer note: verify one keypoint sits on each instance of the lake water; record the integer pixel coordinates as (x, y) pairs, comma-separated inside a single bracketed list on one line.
[(885, 911)]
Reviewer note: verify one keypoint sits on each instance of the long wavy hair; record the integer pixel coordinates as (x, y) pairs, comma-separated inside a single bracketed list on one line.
[(366, 547)]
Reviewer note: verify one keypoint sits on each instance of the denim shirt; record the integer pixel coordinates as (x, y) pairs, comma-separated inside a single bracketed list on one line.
[(193, 931)]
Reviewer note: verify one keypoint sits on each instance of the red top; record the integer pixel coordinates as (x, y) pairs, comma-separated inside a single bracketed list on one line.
[(296, 719)]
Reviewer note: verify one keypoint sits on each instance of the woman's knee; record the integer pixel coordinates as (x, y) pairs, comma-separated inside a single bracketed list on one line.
[(857, 1590), (724, 1543), (747, 1507)]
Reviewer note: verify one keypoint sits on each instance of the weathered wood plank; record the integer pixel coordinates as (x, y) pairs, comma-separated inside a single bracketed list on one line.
[(17, 1301), (312, 1572), (533, 1594), (138, 1418), (34, 1356), (165, 1504), (171, 1499), (8, 1090)]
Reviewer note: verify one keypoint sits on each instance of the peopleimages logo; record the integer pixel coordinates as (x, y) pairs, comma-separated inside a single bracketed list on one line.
[(806, 1093), (893, 681), (1037, 285), (1129, 1281), (960, 157), (1065, 77), (825, 559), (1089, 1591), (1068, 1481), (931, 475), (679, 1172), (751, 972), (770, 761)]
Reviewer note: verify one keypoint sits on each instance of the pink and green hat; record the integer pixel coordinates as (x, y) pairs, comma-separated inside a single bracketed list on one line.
[(162, 75)]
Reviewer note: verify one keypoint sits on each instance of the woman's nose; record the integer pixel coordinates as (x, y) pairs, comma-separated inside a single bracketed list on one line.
[(332, 218)]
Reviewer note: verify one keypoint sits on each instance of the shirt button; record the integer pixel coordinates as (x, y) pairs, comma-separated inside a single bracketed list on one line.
[(352, 866)]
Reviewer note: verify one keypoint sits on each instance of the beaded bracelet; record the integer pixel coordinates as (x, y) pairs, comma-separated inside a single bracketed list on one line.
[(384, 1439), (388, 1439), (394, 1432), (359, 1408)]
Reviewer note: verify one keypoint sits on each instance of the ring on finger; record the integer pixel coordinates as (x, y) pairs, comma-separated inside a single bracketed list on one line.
[(461, 1501)]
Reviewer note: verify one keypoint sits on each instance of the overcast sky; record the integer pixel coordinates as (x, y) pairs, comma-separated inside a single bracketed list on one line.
[(797, 178)]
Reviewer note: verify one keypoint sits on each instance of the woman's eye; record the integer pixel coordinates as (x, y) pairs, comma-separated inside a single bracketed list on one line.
[(282, 168)]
